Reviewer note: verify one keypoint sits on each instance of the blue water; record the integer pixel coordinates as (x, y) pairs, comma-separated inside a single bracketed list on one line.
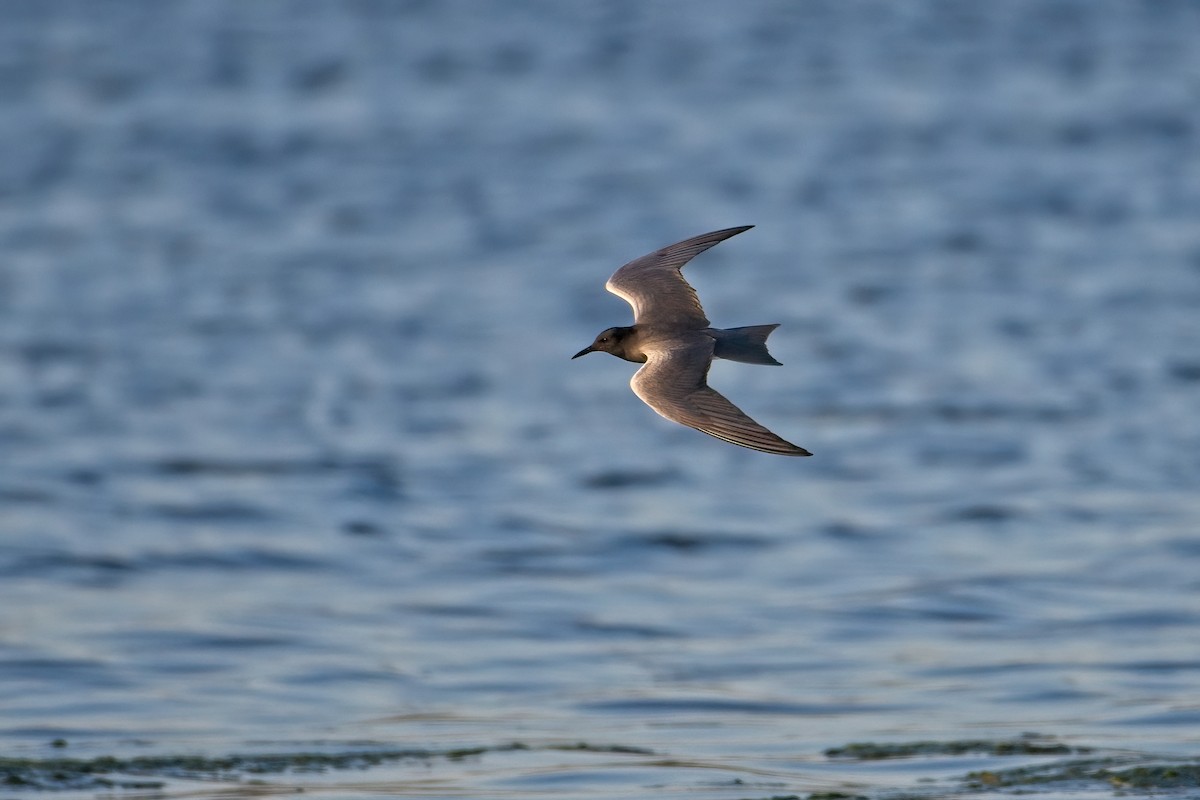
[(292, 453)]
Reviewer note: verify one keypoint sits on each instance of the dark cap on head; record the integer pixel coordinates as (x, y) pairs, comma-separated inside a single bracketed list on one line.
[(612, 340)]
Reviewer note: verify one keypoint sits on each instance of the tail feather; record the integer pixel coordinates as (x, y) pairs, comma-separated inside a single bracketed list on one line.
[(748, 344)]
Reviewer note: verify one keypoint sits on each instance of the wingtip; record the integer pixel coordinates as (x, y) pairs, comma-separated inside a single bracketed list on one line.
[(726, 233), (796, 450)]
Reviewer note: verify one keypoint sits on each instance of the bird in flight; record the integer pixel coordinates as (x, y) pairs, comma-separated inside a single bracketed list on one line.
[(674, 342)]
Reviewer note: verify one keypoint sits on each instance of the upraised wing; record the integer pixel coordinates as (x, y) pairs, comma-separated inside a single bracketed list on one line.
[(674, 383), (655, 288)]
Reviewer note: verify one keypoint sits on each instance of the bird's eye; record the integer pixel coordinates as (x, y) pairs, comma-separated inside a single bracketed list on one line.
[(604, 338)]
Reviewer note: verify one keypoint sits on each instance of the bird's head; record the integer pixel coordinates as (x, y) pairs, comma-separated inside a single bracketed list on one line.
[(613, 340)]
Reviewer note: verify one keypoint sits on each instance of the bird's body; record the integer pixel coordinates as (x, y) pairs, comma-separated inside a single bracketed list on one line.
[(672, 338)]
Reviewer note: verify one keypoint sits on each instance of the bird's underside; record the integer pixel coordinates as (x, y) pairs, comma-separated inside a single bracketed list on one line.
[(673, 382)]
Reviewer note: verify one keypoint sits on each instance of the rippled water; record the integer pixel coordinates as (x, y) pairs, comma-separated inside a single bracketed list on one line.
[(293, 456)]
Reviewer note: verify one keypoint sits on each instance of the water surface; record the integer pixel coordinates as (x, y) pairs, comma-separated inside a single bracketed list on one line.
[(294, 459)]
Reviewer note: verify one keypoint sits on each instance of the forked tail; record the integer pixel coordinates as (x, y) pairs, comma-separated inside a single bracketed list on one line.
[(748, 344)]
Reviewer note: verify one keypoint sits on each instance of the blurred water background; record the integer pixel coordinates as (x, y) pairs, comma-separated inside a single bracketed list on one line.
[(292, 455)]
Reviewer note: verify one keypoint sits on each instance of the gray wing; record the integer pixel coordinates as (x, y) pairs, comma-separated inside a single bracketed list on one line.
[(674, 383), (655, 288)]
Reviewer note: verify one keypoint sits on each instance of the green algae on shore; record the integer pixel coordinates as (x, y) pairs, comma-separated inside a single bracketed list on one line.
[(96, 773), (1115, 772), (1030, 745), (1120, 773)]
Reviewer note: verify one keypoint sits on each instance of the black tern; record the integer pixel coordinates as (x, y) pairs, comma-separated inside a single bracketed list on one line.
[(671, 336)]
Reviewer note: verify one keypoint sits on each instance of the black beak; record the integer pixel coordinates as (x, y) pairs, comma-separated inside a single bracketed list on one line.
[(584, 351)]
